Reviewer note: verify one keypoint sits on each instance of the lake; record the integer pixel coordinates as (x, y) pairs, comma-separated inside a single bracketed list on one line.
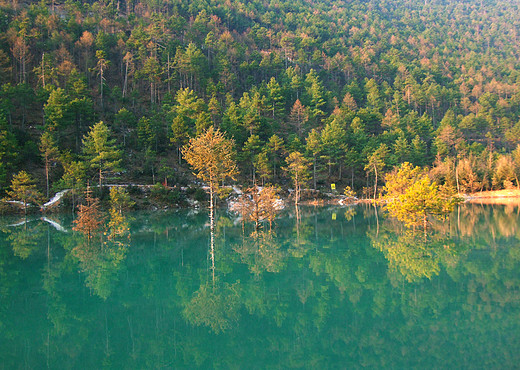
[(325, 288)]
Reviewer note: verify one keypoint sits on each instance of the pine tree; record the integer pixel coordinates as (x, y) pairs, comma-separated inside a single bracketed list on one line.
[(23, 189), (313, 146), (101, 150), (49, 152), (333, 138), (252, 147), (376, 163), (275, 99), (298, 168), (211, 156), (411, 197), (89, 219), (275, 148)]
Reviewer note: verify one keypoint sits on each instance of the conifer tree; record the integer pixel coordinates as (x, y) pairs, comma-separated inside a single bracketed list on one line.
[(89, 219), (101, 150), (49, 152), (211, 156), (376, 163), (23, 189), (298, 168), (411, 197), (313, 146)]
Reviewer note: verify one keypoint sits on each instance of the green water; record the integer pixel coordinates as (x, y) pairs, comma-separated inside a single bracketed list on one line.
[(332, 288)]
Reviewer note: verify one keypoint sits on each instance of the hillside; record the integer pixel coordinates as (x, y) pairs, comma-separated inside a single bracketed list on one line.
[(356, 86)]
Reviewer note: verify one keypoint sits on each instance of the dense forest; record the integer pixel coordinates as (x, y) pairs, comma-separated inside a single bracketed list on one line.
[(111, 91)]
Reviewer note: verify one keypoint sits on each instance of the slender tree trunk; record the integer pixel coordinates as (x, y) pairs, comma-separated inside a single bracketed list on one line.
[(169, 79), (425, 224), (125, 83), (314, 172), (375, 183), (43, 70), (101, 85), (47, 174), (296, 190), (457, 177)]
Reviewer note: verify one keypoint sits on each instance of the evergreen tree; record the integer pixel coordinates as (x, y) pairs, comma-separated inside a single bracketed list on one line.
[(411, 197), (376, 163), (101, 151), (298, 168), (275, 148), (313, 146), (49, 152), (23, 189), (90, 219)]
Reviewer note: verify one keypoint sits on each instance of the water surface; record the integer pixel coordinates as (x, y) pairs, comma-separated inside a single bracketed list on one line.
[(331, 288)]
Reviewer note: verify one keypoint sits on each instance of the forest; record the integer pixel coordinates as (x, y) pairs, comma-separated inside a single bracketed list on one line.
[(111, 91)]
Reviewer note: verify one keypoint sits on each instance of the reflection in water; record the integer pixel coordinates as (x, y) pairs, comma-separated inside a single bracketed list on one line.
[(416, 256), (260, 252), (349, 291), (23, 237), (214, 306), (101, 255)]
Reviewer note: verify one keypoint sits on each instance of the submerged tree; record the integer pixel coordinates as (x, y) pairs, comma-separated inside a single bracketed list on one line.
[(211, 156), (376, 163), (24, 190), (298, 168), (257, 205), (119, 202), (412, 197), (89, 216)]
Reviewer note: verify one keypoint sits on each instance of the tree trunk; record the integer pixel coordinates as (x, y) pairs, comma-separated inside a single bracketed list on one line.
[(314, 172), (47, 174), (101, 85), (457, 177), (375, 183), (296, 189), (125, 83)]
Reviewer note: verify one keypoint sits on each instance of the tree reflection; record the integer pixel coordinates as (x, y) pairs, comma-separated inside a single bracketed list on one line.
[(299, 243), (214, 306), (340, 299), (24, 237), (101, 255), (261, 252), (416, 255)]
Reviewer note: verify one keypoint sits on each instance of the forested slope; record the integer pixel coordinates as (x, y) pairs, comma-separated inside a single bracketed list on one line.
[(357, 86)]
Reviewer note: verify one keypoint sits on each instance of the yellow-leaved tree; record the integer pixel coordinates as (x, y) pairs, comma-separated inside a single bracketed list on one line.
[(212, 158), (412, 197)]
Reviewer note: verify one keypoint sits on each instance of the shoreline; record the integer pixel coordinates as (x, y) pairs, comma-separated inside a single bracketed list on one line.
[(147, 201), (504, 197)]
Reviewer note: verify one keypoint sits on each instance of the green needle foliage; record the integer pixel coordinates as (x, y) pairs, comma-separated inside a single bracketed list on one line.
[(23, 189), (101, 151), (412, 197)]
